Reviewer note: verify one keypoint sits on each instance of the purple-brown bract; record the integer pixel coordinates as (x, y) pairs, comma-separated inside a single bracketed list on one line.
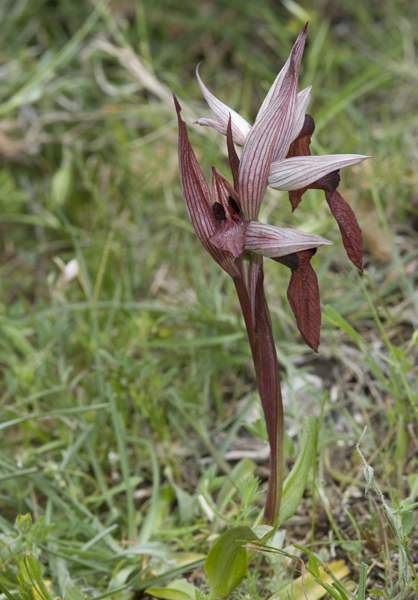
[(276, 153)]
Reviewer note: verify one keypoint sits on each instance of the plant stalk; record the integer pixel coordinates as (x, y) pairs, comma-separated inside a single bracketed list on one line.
[(258, 323)]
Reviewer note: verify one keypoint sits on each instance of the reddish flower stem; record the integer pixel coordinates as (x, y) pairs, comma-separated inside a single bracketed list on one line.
[(268, 382), (257, 320)]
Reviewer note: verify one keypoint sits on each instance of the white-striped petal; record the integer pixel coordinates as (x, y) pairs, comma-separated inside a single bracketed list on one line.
[(300, 171), (302, 104), (272, 242), (240, 127), (268, 140), (274, 91)]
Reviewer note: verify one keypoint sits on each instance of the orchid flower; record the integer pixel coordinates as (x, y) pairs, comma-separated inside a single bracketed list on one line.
[(276, 153), (292, 167)]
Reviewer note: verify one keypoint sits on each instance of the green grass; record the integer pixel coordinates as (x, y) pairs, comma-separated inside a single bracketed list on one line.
[(123, 391)]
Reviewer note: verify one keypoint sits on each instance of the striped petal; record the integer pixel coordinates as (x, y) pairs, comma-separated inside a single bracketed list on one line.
[(197, 196), (240, 127), (222, 189), (299, 171), (268, 140), (274, 91), (273, 242)]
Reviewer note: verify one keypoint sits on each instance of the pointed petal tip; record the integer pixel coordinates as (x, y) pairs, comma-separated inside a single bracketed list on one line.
[(304, 30), (177, 104)]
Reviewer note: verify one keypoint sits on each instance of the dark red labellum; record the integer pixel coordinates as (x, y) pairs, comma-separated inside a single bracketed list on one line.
[(303, 295)]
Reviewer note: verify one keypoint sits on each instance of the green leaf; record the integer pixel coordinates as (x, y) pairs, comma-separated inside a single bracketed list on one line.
[(167, 593), (243, 469), (186, 503), (35, 575), (259, 429), (413, 485), (179, 589), (313, 566), (226, 563), (295, 482), (61, 184), (200, 595), (408, 522), (362, 582), (6, 592), (263, 532)]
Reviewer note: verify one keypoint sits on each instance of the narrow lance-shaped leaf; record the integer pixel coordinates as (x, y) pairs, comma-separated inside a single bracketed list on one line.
[(349, 227), (295, 483), (303, 295)]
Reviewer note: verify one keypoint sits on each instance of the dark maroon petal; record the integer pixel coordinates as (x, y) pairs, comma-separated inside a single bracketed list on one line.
[(328, 182), (303, 295), (300, 147), (307, 131), (232, 154), (349, 227), (197, 196), (295, 197)]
